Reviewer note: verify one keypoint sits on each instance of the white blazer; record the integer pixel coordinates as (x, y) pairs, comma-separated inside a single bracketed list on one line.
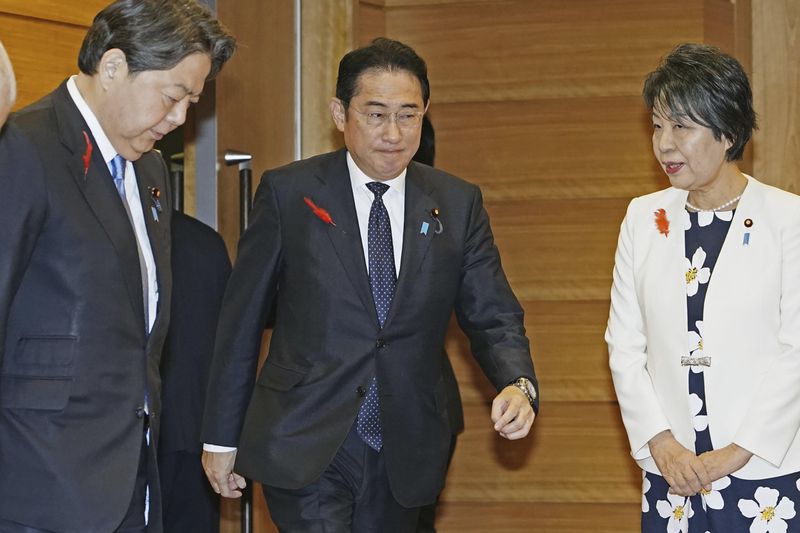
[(751, 330)]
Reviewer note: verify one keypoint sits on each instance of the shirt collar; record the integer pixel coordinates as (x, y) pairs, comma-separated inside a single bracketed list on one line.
[(105, 146), (359, 180)]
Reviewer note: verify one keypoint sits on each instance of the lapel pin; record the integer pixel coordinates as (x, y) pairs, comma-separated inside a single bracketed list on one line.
[(424, 228), (435, 216), (155, 194), (748, 223)]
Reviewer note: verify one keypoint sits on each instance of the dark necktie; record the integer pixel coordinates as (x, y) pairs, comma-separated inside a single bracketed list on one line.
[(382, 280)]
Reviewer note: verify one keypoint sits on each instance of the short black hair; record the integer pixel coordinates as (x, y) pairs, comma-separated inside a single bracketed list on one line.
[(156, 35), (709, 87), (380, 54)]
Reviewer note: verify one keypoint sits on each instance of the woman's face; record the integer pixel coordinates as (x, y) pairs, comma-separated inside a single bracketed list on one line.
[(688, 152)]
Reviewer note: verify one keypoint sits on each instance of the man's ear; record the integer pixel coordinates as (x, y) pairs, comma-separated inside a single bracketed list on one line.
[(113, 67), (338, 113)]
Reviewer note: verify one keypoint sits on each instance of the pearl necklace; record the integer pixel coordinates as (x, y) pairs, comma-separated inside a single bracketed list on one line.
[(718, 208)]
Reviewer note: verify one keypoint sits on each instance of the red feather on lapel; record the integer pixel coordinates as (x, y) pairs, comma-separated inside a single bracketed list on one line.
[(321, 213), (87, 155), (662, 223)]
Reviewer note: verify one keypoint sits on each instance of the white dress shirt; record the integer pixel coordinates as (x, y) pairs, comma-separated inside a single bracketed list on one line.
[(395, 201), (131, 191)]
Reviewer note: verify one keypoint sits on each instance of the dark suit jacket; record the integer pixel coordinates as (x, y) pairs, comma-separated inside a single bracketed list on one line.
[(327, 344), (75, 356), (200, 270)]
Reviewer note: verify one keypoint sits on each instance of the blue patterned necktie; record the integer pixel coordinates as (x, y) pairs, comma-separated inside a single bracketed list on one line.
[(382, 280), (117, 167)]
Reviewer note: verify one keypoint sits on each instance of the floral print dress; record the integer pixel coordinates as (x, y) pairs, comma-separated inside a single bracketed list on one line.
[(732, 505)]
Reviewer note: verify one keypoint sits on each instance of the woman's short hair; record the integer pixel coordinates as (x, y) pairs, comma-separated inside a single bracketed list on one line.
[(700, 82), (156, 35)]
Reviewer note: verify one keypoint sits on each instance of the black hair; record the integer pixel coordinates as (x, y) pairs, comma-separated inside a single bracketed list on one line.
[(156, 35), (380, 54), (700, 82)]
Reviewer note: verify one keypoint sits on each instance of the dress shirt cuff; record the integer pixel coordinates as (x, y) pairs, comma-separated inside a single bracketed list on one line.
[(217, 449)]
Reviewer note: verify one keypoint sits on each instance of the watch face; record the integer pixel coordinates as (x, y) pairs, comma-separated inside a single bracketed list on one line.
[(525, 382)]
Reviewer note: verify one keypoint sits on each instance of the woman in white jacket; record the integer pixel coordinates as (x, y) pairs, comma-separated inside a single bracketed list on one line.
[(704, 329)]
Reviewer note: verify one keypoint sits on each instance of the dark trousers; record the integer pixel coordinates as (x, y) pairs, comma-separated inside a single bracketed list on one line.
[(189, 504), (133, 522), (427, 513), (352, 495)]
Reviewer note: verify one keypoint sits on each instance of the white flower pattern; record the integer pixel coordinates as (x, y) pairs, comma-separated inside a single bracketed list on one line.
[(696, 273), (704, 218), (700, 422), (645, 488), (769, 516), (713, 498), (678, 509)]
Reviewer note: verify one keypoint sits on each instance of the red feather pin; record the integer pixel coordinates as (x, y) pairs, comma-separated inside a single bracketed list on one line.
[(321, 213), (662, 223), (87, 155)]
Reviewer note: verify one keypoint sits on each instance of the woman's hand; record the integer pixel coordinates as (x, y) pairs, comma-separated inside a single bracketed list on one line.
[(682, 469), (725, 461)]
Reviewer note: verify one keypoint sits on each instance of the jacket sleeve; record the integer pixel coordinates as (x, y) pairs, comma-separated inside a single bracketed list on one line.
[(627, 349), (487, 309), (248, 299)]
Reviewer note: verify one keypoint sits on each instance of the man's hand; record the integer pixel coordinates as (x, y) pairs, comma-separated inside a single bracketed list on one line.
[(725, 461), (512, 413), (682, 469), (219, 470)]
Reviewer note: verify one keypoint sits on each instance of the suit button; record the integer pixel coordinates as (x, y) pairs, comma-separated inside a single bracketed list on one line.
[(380, 343), (139, 412), (361, 391)]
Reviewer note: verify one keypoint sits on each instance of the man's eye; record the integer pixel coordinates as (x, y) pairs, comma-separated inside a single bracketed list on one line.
[(376, 116)]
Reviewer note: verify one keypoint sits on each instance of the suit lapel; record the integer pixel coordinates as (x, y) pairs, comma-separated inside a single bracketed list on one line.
[(667, 262), (96, 184), (736, 259), (416, 240), (337, 198), (147, 168)]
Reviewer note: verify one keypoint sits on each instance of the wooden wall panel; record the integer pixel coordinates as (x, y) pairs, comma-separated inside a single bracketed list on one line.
[(776, 86), (522, 50), (326, 36), (72, 12), (559, 148), (43, 52)]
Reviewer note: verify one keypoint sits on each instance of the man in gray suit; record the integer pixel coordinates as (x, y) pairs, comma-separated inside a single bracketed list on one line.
[(84, 271), (364, 256)]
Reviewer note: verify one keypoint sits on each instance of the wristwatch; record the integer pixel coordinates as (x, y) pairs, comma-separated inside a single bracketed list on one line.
[(527, 388)]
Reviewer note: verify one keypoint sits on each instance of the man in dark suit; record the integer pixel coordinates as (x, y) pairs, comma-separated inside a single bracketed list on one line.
[(200, 270), (84, 271), (365, 255)]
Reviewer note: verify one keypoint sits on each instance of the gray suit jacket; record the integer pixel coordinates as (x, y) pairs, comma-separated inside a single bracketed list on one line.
[(327, 343), (75, 358)]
